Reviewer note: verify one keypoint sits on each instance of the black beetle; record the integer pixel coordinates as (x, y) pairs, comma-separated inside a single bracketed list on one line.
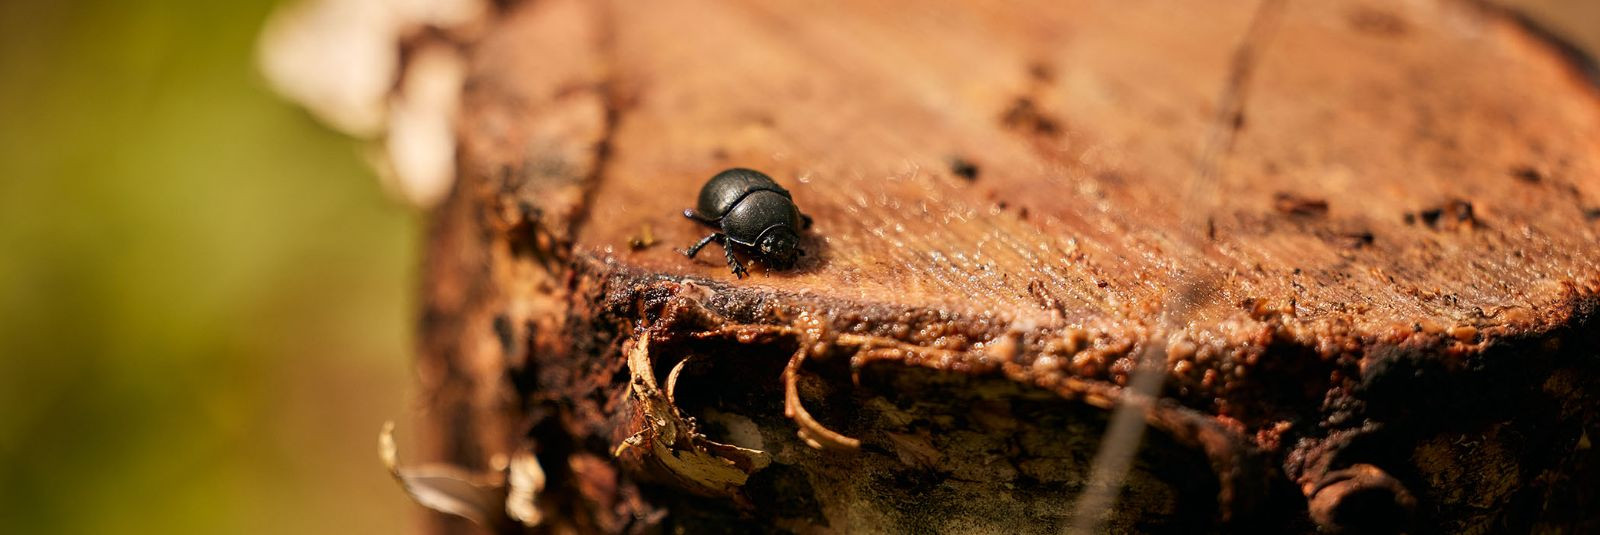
[(752, 211)]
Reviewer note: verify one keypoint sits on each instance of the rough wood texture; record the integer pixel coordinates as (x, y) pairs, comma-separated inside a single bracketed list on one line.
[(1396, 262)]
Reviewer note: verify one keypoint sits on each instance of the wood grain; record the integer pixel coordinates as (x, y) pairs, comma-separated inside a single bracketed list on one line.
[(1411, 190)]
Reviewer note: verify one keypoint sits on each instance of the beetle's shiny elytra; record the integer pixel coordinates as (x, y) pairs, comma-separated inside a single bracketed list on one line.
[(750, 211)]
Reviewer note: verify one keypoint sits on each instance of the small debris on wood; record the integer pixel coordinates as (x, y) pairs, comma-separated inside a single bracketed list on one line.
[(1041, 72), (963, 168), (1296, 205), (1046, 299), (1452, 215), (1527, 174), (1025, 116), (643, 240), (1356, 239), (1377, 22)]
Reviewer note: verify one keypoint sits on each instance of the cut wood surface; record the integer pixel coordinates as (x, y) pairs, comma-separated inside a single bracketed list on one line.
[(1391, 260)]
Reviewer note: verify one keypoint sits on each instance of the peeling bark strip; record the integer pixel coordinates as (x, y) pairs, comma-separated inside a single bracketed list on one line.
[(671, 445), (946, 358)]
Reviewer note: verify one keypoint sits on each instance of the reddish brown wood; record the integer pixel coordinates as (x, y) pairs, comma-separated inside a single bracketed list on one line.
[(1396, 262)]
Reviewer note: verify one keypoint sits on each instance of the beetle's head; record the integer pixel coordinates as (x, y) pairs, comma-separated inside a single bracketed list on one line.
[(779, 246)]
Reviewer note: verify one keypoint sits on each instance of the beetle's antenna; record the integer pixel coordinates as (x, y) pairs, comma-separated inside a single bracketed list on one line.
[(1126, 429)]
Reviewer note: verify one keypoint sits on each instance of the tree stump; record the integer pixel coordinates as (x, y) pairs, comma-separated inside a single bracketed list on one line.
[(1364, 238)]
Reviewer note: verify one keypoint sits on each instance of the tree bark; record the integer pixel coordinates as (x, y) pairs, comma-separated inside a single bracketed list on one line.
[(1360, 235)]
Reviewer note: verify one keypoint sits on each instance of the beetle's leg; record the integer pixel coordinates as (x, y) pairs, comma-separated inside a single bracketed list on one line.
[(695, 215), (695, 249), (805, 221), (733, 263)]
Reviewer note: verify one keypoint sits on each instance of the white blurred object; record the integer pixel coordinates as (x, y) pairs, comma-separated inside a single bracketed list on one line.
[(421, 145), (341, 60)]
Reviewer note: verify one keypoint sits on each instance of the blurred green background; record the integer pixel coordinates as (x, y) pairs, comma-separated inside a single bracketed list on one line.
[(205, 297)]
